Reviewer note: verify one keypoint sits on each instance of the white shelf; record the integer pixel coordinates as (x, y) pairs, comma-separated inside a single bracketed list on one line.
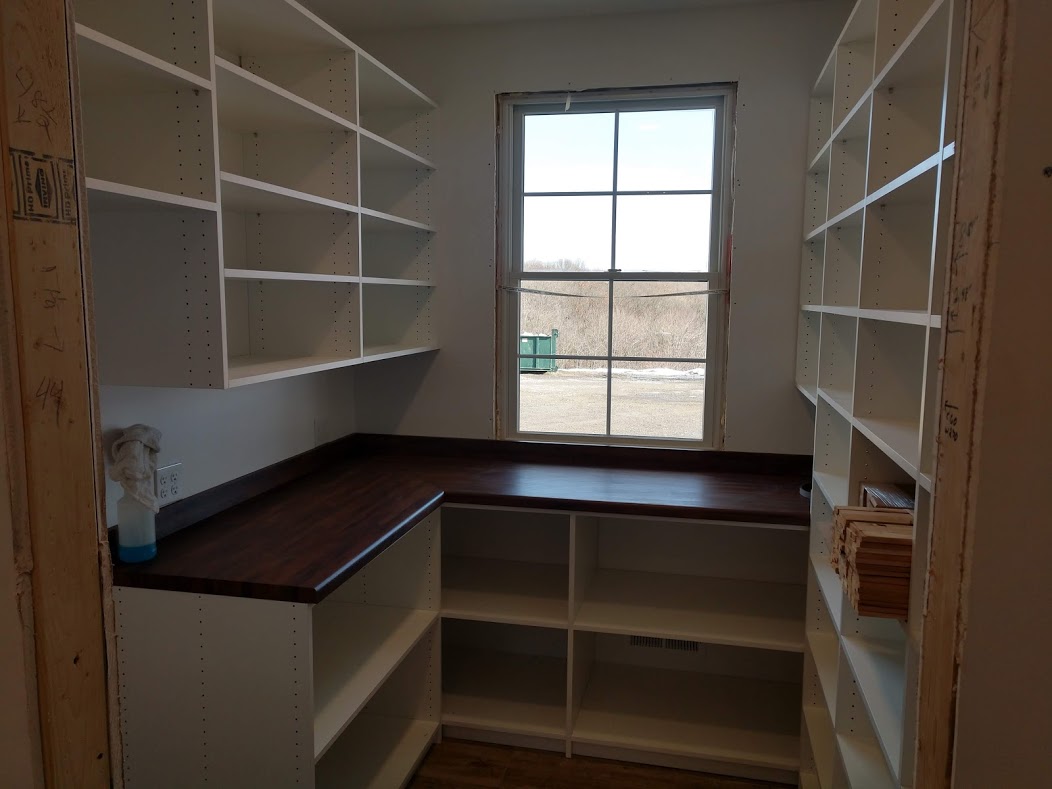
[(248, 103), (286, 276), (110, 196), (244, 370), (685, 713), (830, 587), (109, 66), (834, 487), (377, 353), (379, 222), (712, 610), (260, 27), (825, 649), (909, 317), (863, 764), (381, 154), (240, 193), (809, 392), (409, 283), (376, 752), (899, 439), (504, 692), (517, 593), (823, 743), (356, 647), (838, 399), (381, 89), (879, 668)]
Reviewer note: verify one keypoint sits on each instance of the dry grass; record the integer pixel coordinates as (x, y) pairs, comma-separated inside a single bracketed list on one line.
[(647, 322)]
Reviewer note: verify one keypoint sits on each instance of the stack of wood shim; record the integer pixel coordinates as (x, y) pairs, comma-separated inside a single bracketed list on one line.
[(872, 551)]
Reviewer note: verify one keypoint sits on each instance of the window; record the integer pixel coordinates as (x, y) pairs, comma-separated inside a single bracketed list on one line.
[(614, 211)]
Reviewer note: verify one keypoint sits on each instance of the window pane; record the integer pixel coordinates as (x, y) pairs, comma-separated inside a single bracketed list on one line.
[(658, 400), (566, 233), (663, 150), (664, 233), (569, 153), (568, 400), (651, 320), (577, 322)]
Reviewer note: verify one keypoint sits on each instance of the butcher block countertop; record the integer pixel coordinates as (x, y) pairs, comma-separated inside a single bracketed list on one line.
[(297, 530)]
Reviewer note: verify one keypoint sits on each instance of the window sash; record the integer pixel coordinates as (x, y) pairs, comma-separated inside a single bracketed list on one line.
[(514, 110)]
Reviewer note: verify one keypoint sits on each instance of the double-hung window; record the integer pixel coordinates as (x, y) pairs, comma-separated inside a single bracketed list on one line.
[(614, 214)]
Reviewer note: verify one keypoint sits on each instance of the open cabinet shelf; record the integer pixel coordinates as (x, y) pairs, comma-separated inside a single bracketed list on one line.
[(687, 713), (869, 340), (275, 144)]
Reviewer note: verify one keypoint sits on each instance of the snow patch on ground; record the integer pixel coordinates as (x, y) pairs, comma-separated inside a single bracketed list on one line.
[(654, 372)]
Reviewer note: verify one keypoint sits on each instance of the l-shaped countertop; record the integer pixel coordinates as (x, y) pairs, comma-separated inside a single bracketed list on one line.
[(297, 530)]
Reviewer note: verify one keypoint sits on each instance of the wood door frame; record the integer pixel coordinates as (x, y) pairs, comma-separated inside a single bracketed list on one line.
[(52, 467)]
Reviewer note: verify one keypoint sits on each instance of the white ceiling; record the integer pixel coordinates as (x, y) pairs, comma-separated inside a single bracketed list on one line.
[(353, 15)]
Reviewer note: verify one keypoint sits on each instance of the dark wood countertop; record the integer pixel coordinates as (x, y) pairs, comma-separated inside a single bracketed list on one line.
[(298, 541)]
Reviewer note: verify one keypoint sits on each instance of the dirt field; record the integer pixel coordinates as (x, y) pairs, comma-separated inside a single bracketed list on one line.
[(571, 401)]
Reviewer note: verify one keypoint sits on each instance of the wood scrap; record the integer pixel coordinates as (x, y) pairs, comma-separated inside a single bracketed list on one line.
[(886, 494), (872, 552)]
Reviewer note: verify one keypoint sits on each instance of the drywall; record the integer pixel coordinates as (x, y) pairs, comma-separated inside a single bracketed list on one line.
[(221, 435), (1004, 712), (774, 54)]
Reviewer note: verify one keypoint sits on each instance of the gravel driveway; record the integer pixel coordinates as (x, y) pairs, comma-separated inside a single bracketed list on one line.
[(571, 401)]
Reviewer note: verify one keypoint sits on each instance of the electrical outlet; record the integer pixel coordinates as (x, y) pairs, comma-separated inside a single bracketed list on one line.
[(168, 483)]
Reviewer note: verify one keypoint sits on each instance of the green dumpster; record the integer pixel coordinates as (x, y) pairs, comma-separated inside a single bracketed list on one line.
[(531, 344)]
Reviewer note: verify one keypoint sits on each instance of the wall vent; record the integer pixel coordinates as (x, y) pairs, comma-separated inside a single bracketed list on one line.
[(676, 644)]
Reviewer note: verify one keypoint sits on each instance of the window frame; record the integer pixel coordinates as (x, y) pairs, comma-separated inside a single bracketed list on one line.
[(512, 111)]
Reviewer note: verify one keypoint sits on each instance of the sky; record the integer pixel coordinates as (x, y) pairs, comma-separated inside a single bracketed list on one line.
[(657, 150)]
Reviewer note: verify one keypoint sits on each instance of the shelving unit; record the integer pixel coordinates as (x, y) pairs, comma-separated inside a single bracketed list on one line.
[(872, 278), (260, 139), (342, 693), (632, 639)]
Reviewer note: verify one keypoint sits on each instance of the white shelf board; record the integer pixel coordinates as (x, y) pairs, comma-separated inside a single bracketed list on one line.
[(378, 153), (839, 399), (834, 487), (109, 66), (244, 370), (504, 692), (711, 610), (854, 126), (809, 392), (830, 586), (879, 668), (112, 196), (823, 742), (910, 188), (286, 276), (258, 27), (247, 103), (924, 479), (910, 317), (409, 283), (374, 221), (864, 764), (240, 193), (949, 151), (356, 647), (516, 593), (378, 752), (899, 439), (377, 353), (379, 88), (825, 649), (685, 713)]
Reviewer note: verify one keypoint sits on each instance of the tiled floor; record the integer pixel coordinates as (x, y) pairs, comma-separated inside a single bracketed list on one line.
[(466, 765)]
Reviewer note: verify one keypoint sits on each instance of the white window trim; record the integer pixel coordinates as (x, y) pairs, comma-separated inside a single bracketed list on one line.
[(509, 190)]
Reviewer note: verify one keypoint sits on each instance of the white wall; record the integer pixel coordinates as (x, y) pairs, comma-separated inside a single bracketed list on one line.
[(774, 52), (221, 435)]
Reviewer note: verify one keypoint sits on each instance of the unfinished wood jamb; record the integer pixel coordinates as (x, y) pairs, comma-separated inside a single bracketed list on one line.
[(50, 376), (973, 259)]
